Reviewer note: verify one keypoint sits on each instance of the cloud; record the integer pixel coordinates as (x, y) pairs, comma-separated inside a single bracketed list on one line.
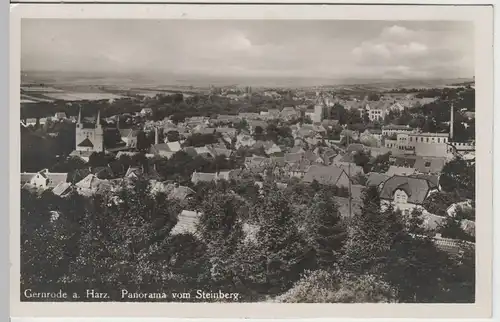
[(396, 32), (248, 48), (415, 53)]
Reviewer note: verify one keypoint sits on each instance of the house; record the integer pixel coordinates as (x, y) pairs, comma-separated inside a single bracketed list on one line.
[(63, 189), (60, 116), (375, 179), (355, 147), (388, 130), (203, 177), (91, 185), (127, 153), (376, 151), (452, 209), (329, 123), (405, 193), (270, 114), (399, 106), (400, 171), (244, 140), (293, 157), (103, 172), (227, 118), (351, 169), (78, 175), (433, 179), (372, 137), (375, 110), (254, 124), (162, 150), (349, 133), (298, 169), (269, 147), (231, 132), (430, 165), (129, 136), (30, 121), (327, 175), (187, 222), (205, 152), (312, 157), (257, 162), (249, 116), (328, 156), (172, 190), (289, 113), (43, 179), (148, 173), (209, 177), (221, 151), (146, 111)]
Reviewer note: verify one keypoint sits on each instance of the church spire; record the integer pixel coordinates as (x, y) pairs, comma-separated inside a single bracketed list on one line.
[(80, 115)]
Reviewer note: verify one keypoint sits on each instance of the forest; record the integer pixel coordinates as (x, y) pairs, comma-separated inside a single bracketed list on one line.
[(274, 244)]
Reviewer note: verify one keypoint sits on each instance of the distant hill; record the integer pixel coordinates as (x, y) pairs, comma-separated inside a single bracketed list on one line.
[(154, 80)]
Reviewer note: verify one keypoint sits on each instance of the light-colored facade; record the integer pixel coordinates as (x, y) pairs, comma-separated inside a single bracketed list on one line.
[(89, 139)]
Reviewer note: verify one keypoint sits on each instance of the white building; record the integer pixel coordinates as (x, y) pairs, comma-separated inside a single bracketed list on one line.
[(89, 138)]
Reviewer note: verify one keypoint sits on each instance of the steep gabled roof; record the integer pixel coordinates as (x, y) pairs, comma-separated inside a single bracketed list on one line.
[(401, 171), (62, 188), (86, 143), (430, 165), (416, 189), (327, 175), (375, 179)]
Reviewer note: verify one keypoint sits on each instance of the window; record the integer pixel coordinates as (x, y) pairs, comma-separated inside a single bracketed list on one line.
[(439, 140), (427, 164), (427, 140), (410, 138)]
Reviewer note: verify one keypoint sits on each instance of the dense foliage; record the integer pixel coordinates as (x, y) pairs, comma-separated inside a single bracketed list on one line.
[(256, 242)]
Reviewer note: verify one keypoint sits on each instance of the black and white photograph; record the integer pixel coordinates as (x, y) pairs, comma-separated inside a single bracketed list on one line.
[(248, 161)]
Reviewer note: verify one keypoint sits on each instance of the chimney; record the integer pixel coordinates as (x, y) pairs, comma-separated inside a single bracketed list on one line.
[(451, 122), (79, 116), (156, 135), (98, 119)]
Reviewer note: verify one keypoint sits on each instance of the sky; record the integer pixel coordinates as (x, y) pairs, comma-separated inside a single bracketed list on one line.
[(251, 48)]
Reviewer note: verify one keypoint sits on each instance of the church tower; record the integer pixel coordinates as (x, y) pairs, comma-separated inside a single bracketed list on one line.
[(89, 139), (318, 108)]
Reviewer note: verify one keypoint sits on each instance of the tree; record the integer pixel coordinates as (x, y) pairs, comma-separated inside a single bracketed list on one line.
[(328, 233), (437, 203), (369, 237), (362, 159), (280, 253), (458, 176), (199, 140), (99, 159), (173, 136), (334, 287), (452, 228), (381, 163), (68, 165)]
